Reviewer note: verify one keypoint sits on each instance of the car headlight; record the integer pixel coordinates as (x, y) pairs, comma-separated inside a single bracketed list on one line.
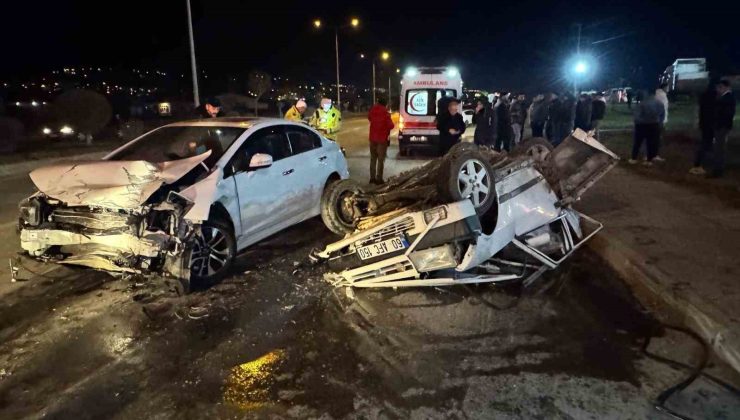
[(66, 130), (31, 211), (433, 259), (46, 130)]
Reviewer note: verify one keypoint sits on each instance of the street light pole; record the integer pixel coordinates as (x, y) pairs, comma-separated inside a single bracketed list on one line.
[(336, 47), (196, 95), (374, 82)]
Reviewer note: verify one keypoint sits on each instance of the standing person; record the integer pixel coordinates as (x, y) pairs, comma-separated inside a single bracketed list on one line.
[(295, 113), (327, 118), (629, 98), (725, 113), (484, 121), (380, 130), (707, 112), (552, 105), (538, 115), (562, 116), (503, 124), (210, 108), (647, 118), (450, 125), (598, 112), (583, 113), (662, 97), (518, 116)]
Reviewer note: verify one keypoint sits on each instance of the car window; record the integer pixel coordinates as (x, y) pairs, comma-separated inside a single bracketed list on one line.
[(302, 139), (268, 140), (424, 101), (179, 142)]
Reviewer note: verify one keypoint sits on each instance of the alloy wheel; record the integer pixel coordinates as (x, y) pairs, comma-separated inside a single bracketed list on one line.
[(474, 182), (211, 252)]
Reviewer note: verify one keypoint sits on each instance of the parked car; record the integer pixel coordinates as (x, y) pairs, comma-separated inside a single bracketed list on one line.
[(182, 199), (473, 216)]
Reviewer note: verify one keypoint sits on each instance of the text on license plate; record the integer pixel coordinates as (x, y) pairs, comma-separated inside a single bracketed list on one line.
[(381, 248)]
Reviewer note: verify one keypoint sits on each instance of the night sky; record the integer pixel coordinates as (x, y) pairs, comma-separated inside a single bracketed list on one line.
[(511, 45)]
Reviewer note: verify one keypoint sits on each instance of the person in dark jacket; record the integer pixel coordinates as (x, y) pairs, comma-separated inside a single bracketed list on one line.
[(450, 125), (538, 115), (707, 104), (598, 112), (504, 133), (724, 114), (584, 109), (211, 108), (380, 130), (649, 114), (483, 120), (562, 116)]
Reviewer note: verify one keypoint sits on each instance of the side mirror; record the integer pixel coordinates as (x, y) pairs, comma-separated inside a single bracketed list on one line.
[(259, 161)]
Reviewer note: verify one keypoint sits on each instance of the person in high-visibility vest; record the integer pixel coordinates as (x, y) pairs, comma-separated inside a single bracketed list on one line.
[(295, 113), (327, 118)]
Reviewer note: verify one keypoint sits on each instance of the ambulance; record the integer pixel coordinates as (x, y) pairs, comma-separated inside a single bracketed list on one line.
[(421, 91)]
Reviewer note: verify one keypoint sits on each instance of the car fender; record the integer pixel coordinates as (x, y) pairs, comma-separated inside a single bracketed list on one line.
[(206, 192)]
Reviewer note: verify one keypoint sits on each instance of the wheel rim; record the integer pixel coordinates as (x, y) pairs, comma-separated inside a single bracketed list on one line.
[(474, 182), (345, 208), (211, 252), (538, 152)]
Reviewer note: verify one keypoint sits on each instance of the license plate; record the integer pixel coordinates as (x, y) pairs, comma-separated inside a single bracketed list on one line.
[(381, 248)]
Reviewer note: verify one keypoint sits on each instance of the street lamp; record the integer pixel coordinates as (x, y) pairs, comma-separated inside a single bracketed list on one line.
[(579, 69), (354, 22), (385, 56)]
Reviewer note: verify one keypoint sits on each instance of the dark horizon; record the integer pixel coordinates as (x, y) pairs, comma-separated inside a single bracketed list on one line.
[(519, 46)]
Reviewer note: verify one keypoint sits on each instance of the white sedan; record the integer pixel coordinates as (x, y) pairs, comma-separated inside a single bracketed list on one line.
[(182, 199)]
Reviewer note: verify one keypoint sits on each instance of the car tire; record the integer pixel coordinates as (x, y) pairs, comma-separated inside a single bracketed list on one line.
[(537, 148), (334, 212), (455, 182), (214, 250)]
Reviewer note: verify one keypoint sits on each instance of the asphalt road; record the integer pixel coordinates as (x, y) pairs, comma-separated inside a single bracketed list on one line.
[(276, 341)]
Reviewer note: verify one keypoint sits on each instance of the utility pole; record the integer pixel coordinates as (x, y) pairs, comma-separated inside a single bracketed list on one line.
[(374, 82), (196, 95), (336, 47), (578, 57)]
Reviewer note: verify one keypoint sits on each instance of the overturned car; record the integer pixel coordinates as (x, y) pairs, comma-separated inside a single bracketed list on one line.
[(472, 216), (182, 199)]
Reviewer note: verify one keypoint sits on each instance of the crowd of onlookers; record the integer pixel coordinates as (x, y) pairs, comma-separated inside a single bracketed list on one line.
[(502, 117)]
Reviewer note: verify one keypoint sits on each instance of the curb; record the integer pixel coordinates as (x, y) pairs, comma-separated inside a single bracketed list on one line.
[(29, 165), (653, 288)]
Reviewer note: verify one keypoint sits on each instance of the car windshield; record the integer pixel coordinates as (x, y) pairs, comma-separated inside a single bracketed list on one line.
[(173, 143)]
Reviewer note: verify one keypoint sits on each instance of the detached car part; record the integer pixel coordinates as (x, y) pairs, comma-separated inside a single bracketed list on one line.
[(471, 216)]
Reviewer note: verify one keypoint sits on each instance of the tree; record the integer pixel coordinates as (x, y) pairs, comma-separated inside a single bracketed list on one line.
[(258, 83), (86, 111)]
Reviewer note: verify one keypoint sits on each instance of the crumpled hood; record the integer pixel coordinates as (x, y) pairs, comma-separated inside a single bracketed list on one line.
[(109, 183)]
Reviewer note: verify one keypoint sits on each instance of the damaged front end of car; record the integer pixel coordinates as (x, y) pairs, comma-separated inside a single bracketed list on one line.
[(529, 229), (120, 217)]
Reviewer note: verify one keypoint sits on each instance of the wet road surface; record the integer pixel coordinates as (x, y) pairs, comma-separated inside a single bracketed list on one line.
[(276, 341)]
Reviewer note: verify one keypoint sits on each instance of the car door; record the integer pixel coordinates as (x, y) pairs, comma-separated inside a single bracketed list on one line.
[(311, 166), (263, 193)]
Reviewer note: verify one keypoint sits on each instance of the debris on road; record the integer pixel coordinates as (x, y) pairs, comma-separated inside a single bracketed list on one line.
[(472, 216)]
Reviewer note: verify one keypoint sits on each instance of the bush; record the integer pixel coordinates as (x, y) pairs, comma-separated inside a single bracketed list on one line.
[(11, 134), (86, 111)]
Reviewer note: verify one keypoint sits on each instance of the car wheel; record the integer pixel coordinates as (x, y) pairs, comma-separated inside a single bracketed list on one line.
[(465, 174), (537, 148), (337, 208), (213, 253)]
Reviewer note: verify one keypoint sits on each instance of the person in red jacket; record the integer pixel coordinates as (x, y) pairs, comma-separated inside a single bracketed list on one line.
[(380, 131)]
